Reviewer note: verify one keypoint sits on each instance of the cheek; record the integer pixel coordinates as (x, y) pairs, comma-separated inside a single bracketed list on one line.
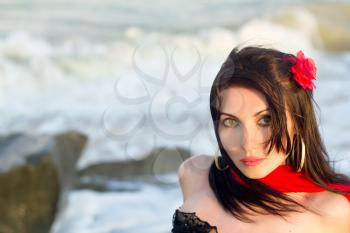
[(277, 155), (230, 138), (266, 134)]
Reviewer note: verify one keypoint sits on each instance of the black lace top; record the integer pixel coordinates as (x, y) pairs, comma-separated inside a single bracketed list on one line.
[(190, 223)]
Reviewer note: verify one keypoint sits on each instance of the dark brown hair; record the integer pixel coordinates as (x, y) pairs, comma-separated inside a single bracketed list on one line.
[(268, 71)]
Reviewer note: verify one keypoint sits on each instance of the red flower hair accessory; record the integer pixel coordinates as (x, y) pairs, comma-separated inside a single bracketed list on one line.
[(303, 70)]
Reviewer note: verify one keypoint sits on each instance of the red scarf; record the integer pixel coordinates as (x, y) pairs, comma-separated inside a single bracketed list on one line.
[(284, 179)]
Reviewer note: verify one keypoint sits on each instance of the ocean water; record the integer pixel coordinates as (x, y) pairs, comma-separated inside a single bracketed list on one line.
[(149, 210), (136, 75)]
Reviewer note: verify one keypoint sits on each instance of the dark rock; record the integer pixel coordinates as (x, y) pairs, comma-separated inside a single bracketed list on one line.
[(34, 171), (150, 168), (28, 197)]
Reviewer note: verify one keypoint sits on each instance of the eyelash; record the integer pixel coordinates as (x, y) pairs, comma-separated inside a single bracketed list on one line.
[(262, 125)]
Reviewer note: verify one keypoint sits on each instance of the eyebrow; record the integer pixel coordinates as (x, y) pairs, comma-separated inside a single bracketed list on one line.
[(223, 113)]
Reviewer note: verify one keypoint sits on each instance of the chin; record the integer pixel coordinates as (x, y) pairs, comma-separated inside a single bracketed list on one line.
[(253, 172), (253, 176)]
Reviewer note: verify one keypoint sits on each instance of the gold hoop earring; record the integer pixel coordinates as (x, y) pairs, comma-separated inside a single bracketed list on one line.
[(302, 154), (217, 162)]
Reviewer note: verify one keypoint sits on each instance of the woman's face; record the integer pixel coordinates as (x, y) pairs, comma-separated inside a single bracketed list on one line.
[(244, 126)]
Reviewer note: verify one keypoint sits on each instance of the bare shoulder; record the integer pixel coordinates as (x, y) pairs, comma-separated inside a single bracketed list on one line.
[(197, 196), (196, 165), (336, 209), (193, 174)]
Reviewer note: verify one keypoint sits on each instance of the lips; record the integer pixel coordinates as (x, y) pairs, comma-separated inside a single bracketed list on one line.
[(252, 161)]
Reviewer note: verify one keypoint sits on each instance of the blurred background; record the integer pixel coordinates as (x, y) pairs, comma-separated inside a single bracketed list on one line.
[(101, 101)]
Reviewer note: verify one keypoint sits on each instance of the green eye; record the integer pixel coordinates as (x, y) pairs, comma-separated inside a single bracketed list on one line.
[(265, 120), (229, 122)]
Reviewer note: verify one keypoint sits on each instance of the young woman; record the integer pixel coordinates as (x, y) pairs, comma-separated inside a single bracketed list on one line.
[(274, 174)]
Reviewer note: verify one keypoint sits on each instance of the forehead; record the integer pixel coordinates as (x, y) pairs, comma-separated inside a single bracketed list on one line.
[(241, 99)]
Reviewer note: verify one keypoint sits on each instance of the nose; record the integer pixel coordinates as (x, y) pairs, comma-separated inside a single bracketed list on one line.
[(248, 138)]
